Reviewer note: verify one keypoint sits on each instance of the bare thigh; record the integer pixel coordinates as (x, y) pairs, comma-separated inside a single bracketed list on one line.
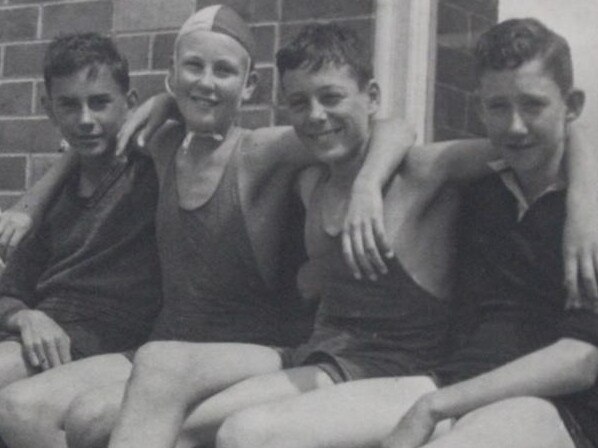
[(13, 366), (524, 422), (201, 426), (58, 387)]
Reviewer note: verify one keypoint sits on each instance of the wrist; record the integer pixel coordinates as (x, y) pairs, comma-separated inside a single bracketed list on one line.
[(431, 405), (367, 183)]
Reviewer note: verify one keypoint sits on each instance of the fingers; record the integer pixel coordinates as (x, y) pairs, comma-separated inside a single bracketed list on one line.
[(372, 251), (64, 349), (153, 124), (349, 255), (5, 239), (29, 349), (51, 352), (365, 265), (588, 280), (381, 240), (571, 284)]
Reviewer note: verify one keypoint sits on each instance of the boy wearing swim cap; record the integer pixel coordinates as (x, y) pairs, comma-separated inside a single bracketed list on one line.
[(225, 233)]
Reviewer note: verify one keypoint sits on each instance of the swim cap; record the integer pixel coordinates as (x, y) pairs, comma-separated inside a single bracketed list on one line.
[(220, 19)]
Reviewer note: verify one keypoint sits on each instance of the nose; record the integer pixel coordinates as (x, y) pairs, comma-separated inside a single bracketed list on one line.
[(86, 118), (317, 112), (205, 79), (517, 126)]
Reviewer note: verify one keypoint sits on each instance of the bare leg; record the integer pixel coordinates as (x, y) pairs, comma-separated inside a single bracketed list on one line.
[(203, 423), (524, 422), (13, 366), (32, 410), (356, 414), (169, 378), (92, 416)]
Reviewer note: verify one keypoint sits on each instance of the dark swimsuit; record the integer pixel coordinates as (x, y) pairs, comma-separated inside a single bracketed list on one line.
[(213, 290), (368, 329)]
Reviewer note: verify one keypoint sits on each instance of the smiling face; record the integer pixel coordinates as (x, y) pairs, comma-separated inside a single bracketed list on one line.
[(330, 113), (89, 108), (210, 78), (525, 115)]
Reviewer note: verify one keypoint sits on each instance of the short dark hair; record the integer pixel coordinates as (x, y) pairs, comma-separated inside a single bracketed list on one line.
[(320, 44), (70, 53), (513, 42)]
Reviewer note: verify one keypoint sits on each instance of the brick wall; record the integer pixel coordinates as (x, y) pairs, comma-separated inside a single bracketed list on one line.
[(460, 22), (144, 31)]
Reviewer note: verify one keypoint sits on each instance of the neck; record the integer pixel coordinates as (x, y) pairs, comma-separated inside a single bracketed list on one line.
[(534, 182), (343, 173), (92, 171), (199, 144)]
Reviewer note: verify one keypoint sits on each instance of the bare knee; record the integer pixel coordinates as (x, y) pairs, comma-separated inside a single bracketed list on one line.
[(251, 428), (89, 421), (19, 407)]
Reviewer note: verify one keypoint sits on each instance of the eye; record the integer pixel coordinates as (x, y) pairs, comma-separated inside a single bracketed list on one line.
[(497, 107), (533, 105), (331, 99), (225, 69), (193, 65), (298, 104), (100, 102), (68, 105)]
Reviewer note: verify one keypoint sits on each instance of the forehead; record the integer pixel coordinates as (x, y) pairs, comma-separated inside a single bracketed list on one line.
[(304, 79), (529, 79), (90, 80), (211, 45)]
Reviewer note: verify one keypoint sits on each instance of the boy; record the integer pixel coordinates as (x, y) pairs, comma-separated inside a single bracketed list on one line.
[(362, 330), (525, 373), (223, 226), (72, 289)]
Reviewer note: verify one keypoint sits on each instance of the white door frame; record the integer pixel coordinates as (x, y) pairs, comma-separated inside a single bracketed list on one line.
[(405, 60)]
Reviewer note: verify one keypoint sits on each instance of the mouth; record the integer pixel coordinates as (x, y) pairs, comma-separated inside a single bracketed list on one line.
[(519, 146), (204, 102), (323, 134)]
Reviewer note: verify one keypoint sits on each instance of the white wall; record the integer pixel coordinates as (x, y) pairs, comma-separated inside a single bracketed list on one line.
[(577, 21)]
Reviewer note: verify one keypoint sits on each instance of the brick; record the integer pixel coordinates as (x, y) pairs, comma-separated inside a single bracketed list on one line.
[(475, 124), (136, 50), (255, 118), (363, 27), (18, 24), (486, 8), (455, 69), (134, 15), (39, 165), (13, 172), (477, 27), (281, 116), (450, 108), (40, 91), (147, 85), (28, 135), (15, 98), (453, 24), (24, 60), (8, 200), (162, 51), (325, 9), (264, 38), (263, 92), (76, 17), (251, 10)]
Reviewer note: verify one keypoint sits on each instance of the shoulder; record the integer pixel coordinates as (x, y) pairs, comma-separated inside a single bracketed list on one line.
[(276, 143)]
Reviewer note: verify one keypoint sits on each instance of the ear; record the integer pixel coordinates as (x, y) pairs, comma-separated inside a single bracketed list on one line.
[(132, 99), (478, 107), (372, 89), (47, 105), (168, 81), (250, 85), (575, 101)]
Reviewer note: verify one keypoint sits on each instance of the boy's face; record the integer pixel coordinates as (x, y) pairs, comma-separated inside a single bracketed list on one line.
[(89, 110), (210, 80), (330, 113), (525, 115)]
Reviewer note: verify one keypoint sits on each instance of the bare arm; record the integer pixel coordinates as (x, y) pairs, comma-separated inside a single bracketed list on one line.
[(28, 211), (580, 242), (564, 367)]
